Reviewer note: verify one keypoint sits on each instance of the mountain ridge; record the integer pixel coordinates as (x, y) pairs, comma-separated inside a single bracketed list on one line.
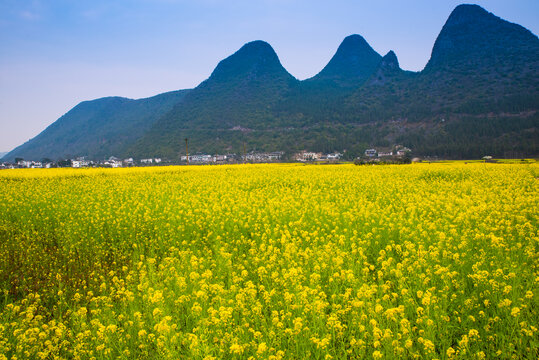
[(482, 80), (111, 118)]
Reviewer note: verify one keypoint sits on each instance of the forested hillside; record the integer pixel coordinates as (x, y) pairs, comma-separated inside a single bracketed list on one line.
[(478, 95)]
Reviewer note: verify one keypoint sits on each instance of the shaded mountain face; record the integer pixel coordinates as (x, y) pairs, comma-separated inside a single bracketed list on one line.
[(97, 128), (390, 61), (388, 68), (473, 38), (354, 62), (479, 64)]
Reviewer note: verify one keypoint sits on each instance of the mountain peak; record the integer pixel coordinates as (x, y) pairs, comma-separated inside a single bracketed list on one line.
[(254, 59), (387, 70), (257, 47), (473, 36), (353, 42), (467, 12), (354, 61), (390, 60)]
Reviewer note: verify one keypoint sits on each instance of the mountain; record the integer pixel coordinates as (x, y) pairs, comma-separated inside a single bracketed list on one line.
[(238, 95), (387, 68), (97, 128), (479, 92), (320, 98), (494, 63), (353, 63), (472, 37), (477, 95)]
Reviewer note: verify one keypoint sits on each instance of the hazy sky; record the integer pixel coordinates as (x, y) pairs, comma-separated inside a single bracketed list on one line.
[(56, 53)]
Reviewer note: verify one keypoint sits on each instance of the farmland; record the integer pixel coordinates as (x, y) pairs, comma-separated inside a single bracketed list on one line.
[(270, 262)]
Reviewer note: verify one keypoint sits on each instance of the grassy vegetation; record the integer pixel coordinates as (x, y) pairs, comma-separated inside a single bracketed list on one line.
[(270, 262)]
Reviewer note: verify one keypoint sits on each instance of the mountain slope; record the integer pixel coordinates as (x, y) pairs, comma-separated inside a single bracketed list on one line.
[(239, 94), (97, 128)]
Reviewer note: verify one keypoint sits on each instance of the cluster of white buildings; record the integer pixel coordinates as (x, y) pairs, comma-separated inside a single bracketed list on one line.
[(231, 158), (263, 156), (304, 156), (148, 161), (32, 164), (206, 159), (398, 151), (253, 157), (81, 162)]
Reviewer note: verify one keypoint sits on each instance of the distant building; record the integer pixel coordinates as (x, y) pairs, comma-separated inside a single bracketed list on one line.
[(203, 158), (370, 152), (80, 163), (334, 156), (29, 164), (264, 156), (385, 154), (219, 158), (146, 161), (199, 158), (307, 156), (402, 150), (24, 163), (113, 163), (276, 155)]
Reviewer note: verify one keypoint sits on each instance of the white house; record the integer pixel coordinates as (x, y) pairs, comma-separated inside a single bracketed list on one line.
[(334, 156), (200, 158), (370, 152), (79, 163), (308, 156)]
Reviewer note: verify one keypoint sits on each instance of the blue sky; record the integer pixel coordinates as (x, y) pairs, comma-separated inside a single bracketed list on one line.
[(56, 53)]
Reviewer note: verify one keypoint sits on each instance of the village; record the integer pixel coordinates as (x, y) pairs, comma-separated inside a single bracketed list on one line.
[(370, 155)]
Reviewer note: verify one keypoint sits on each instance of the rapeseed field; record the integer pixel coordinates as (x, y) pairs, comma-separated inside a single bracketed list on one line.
[(422, 261)]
